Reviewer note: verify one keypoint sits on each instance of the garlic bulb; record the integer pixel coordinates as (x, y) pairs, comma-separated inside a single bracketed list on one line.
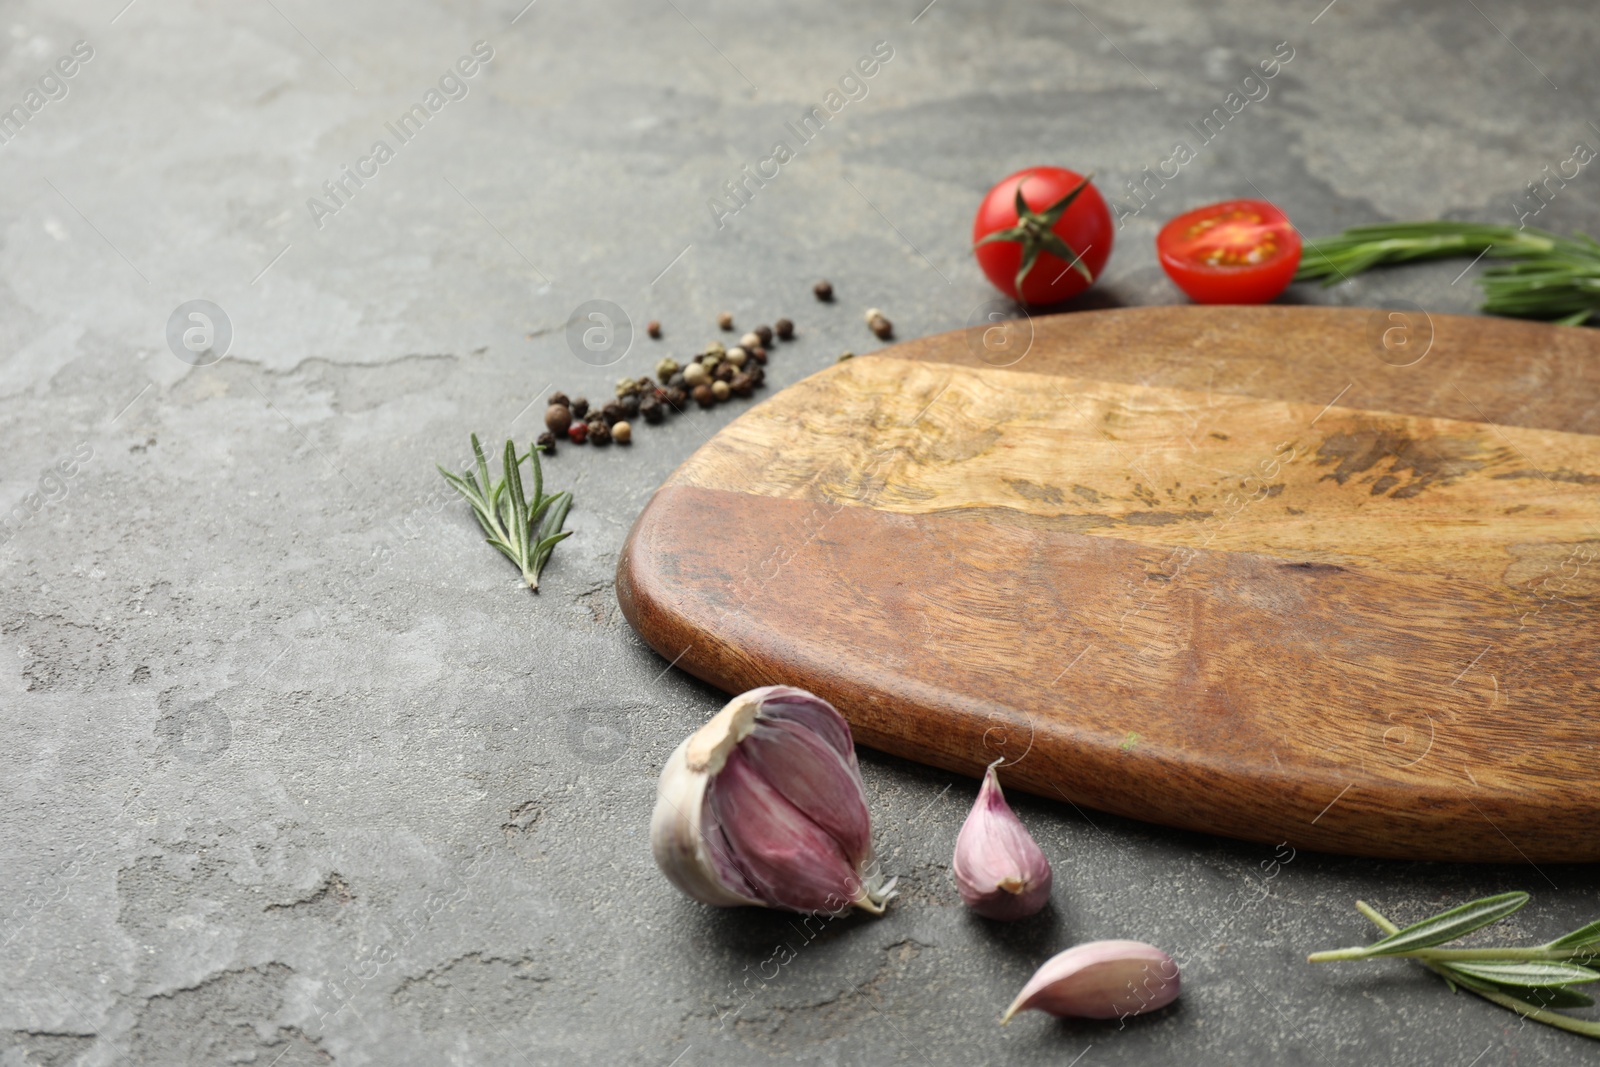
[(1101, 980), (764, 805), (1000, 870)]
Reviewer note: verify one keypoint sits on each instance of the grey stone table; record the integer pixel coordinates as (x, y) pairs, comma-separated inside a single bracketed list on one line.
[(294, 774)]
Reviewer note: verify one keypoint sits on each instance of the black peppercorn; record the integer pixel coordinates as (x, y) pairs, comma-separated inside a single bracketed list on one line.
[(676, 381), (677, 398), (758, 376), (650, 408), (611, 413), (580, 408), (704, 396), (630, 406), (759, 354), (653, 328), (881, 327), (824, 290), (765, 333), (725, 320), (558, 397), (548, 441), (724, 372), (599, 433), (784, 329), (741, 384)]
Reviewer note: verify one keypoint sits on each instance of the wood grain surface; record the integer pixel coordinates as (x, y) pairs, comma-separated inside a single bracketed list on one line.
[(1236, 570)]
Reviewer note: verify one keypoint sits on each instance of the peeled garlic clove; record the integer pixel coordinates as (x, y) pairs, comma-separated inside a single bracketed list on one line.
[(1000, 870), (764, 805), (1101, 980)]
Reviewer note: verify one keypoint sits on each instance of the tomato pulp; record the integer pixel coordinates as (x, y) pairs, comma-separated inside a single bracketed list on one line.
[(1069, 250), (1236, 252)]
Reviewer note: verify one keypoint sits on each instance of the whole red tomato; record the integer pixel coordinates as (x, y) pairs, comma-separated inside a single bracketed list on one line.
[(1042, 235), (1235, 252)]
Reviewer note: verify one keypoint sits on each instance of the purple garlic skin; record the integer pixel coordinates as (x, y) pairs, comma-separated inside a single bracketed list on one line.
[(1101, 980), (764, 805), (1000, 870)]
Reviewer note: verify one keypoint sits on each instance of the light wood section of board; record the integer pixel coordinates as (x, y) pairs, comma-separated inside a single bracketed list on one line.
[(1373, 491)]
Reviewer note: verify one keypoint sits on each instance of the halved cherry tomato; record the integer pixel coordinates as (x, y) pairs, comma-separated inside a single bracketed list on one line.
[(1235, 252)]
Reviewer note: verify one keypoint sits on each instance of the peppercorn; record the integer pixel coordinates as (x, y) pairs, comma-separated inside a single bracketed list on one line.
[(759, 354), (785, 329), (704, 396), (622, 433), (557, 417), (626, 387), (757, 376), (696, 374), (580, 408), (577, 432), (824, 290), (737, 356), (650, 408), (653, 328), (750, 340), (741, 384), (666, 368), (715, 350), (677, 398), (870, 314), (677, 381), (881, 327), (724, 372), (630, 406), (720, 390), (558, 397), (599, 433), (611, 413), (646, 384), (725, 320), (764, 333), (547, 441)]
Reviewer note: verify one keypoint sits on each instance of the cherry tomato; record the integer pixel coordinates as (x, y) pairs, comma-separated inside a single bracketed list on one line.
[(1042, 235), (1235, 252)]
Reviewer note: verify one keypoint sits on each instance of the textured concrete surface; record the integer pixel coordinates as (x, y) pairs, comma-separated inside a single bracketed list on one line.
[(293, 773)]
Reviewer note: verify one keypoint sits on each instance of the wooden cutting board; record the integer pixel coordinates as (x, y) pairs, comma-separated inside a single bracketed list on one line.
[(1314, 575)]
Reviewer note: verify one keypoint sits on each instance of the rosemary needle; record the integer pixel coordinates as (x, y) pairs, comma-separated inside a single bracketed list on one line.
[(525, 530), (1548, 276)]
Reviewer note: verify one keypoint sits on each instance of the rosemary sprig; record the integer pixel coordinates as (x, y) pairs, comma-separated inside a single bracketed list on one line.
[(525, 531), (1529, 981), (1550, 276)]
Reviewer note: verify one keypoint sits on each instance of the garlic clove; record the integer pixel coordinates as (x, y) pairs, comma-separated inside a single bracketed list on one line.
[(765, 805), (790, 860), (1101, 980), (1000, 870), (812, 776)]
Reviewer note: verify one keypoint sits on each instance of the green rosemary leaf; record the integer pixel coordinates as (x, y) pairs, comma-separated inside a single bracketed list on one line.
[(538, 472), (1579, 938), (517, 506), (1448, 925), (483, 464), (1538, 996), (1529, 974)]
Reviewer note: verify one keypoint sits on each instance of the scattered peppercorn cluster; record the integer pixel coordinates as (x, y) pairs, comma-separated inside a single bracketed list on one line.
[(715, 374)]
